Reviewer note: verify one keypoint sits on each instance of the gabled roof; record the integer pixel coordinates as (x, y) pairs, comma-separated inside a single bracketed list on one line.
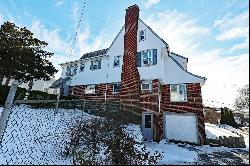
[(154, 33), (94, 53), (178, 55)]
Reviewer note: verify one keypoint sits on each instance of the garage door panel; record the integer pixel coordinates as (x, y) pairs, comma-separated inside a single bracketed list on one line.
[(181, 127)]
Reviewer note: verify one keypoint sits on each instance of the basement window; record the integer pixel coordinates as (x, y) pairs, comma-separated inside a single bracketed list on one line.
[(90, 89), (116, 87), (178, 93), (142, 35), (146, 85)]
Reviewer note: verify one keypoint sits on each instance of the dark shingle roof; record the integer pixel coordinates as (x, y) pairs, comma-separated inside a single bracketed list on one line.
[(94, 53)]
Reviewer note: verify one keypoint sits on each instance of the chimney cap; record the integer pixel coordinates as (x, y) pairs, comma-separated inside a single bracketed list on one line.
[(133, 6)]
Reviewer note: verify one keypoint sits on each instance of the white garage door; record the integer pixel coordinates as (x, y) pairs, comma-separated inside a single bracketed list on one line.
[(181, 127)]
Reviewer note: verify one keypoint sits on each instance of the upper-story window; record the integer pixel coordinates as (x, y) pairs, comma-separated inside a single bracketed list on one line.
[(90, 89), (142, 35), (82, 66), (96, 64), (117, 61), (71, 70), (178, 93), (116, 87), (147, 58)]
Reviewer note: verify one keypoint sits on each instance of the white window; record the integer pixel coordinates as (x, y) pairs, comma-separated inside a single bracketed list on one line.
[(68, 71), (178, 92), (54, 91), (146, 85), (82, 66), (116, 87), (142, 35), (45, 89), (90, 89), (147, 57), (117, 61), (95, 65)]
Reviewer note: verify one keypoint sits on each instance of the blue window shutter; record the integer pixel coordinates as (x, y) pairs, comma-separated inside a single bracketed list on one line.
[(154, 56), (99, 64), (91, 66), (138, 59)]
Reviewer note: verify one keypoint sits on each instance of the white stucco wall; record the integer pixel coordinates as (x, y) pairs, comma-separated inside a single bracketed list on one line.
[(91, 77), (166, 69), (182, 61), (174, 74), (151, 42)]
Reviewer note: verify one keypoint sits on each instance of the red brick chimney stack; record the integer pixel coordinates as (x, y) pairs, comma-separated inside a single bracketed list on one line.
[(130, 78)]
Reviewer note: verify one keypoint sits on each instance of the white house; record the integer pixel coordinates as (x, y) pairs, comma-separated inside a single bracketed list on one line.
[(138, 66)]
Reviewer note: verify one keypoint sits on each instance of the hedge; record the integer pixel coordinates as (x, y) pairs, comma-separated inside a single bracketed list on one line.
[(4, 90), (40, 95)]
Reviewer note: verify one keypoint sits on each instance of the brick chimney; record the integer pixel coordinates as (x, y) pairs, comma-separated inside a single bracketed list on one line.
[(130, 78)]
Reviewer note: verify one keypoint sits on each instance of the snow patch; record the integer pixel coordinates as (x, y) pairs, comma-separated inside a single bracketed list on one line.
[(214, 131)]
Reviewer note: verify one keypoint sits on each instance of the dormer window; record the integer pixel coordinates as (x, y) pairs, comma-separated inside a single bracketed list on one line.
[(117, 61), (82, 66), (96, 64), (142, 35)]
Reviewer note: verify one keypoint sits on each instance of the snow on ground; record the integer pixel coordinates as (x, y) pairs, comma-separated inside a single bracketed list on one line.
[(214, 131), (172, 153), (37, 136)]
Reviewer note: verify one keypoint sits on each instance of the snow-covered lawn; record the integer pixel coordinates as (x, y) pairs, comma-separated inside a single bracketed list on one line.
[(213, 131), (37, 136)]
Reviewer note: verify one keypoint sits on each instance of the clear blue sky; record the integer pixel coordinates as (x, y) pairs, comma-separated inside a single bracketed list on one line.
[(213, 34)]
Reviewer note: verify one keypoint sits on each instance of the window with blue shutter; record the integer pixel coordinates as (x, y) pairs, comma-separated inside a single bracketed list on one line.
[(99, 64), (154, 56), (91, 66), (138, 59)]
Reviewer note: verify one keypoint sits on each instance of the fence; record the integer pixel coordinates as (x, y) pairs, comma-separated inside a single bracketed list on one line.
[(37, 130)]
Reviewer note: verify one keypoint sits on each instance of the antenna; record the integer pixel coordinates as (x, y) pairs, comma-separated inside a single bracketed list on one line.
[(77, 28)]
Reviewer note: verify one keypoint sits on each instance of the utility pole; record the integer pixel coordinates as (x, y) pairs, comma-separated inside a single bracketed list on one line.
[(6, 109)]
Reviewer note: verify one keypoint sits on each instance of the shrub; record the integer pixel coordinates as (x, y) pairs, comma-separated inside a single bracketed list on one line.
[(101, 135), (39, 95), (227, 117), (4, 90)]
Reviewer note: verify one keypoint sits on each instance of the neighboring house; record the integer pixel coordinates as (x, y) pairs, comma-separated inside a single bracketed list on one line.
[(241, 116), (40, 85), (139, 70), (211, 115)]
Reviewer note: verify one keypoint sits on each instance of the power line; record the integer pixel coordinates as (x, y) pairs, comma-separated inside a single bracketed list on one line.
[(78, 27)]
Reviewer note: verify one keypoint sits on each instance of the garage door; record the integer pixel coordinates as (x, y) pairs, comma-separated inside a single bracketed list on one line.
[(181, 127)]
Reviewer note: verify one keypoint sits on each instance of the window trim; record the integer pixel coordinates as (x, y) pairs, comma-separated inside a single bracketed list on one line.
[(80, 66), (113, 87), (86, 88), (147, 82), (151, 58), (144, 35), (119, 56), (178, 85)]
